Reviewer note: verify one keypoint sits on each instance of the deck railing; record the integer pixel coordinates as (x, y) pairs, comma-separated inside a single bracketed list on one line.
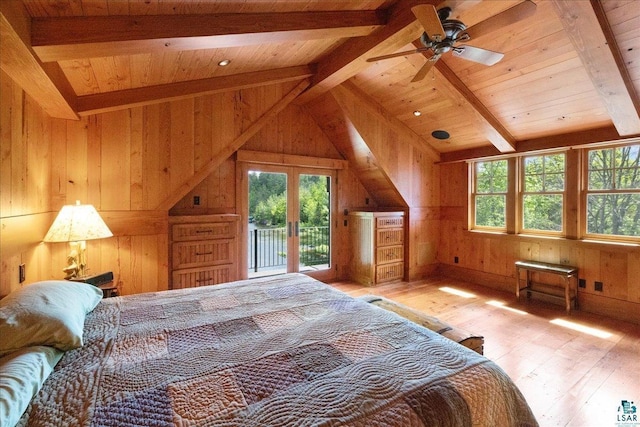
[(268, 247)]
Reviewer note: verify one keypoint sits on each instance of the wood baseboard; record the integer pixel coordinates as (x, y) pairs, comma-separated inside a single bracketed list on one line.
[(490, 280), (597, 304)]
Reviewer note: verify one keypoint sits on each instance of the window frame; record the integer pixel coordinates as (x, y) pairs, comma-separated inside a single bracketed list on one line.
[(473, 194), (574, 200), (586, 192), (522, 193)]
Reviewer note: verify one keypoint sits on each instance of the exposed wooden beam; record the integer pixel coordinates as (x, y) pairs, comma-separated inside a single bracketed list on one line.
[(136, 223), (290, 160), (351, 57), (612, 42), (23, 232), (47, 85), (373, 107), (582, 24), (191, 182), (592, 137), (493, 130), (63, 38), (117, 100)]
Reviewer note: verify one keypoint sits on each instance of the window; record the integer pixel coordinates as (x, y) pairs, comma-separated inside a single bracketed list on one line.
[(490, 194), (543, 193), (613, 191)]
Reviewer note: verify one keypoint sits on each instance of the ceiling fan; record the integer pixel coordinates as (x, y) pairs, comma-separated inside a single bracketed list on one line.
[(442, 35)]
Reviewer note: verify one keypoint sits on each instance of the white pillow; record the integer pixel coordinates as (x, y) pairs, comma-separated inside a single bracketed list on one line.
[(46, 313), (22, 373)]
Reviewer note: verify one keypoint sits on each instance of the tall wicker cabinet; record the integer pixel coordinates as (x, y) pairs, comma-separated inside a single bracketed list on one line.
[(204, 250), (377, 242)]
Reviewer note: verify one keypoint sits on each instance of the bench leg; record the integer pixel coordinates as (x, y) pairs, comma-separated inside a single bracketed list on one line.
[(567, 296)]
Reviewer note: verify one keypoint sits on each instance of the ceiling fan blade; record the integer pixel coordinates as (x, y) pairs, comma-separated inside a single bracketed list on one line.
[(514, 14), (394, 55), (476, 54), (428, 17), (422, 72)]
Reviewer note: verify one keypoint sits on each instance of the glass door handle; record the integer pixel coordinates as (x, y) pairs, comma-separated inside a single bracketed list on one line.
[(297, 229), (290, 229)]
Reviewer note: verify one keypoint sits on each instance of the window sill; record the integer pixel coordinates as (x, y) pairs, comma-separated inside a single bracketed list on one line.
[(593, 243)]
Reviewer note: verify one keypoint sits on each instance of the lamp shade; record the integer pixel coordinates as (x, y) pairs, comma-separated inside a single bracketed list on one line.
[(77, 222)]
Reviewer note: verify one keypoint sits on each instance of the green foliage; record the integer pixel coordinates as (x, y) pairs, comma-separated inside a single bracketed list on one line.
[(491, 186), (317, 255), (542, 212), (614, 214), (609, 211), (268, 199), (490, 211), (542, 203), (615, 168), (491, 177), (314, 201), (272, 212), (544, 173)]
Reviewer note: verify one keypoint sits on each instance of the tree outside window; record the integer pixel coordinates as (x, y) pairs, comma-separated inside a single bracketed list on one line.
[(613, 191), (543, 192), (490, 193)]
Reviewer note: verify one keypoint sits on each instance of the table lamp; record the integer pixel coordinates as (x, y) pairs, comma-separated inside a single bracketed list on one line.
[(76, 224)]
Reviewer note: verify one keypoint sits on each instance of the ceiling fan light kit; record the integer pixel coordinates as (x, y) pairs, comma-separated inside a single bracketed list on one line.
[(441, 35)]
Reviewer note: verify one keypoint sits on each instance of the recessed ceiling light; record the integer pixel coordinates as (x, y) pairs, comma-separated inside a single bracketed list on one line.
[(417, 113), (224, 62), (440, 134)]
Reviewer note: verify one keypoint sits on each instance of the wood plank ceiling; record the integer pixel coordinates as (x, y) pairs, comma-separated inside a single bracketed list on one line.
[(570, 73)]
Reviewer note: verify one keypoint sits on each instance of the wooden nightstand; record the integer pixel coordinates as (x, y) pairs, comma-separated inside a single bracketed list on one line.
[(103, 281), (109, 289)]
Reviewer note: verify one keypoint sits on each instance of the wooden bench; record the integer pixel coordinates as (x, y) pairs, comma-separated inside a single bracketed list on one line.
[(473, 342), (567, 272)]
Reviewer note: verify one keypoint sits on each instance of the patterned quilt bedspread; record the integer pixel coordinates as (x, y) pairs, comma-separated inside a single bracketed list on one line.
[(278, 351)]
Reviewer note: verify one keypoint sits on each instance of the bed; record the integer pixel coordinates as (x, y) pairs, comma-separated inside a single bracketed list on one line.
[(280, 351)]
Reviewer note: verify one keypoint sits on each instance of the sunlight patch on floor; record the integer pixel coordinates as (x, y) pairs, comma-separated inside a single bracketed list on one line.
[(581, 328), (502, 305), (457, 292)]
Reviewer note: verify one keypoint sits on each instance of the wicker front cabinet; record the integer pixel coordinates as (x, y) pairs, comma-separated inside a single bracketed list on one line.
[(204, 250), (377, 241)]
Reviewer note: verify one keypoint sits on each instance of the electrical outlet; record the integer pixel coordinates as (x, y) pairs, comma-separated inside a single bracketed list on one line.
[(582, 283), (455, 260), (22, 273), (196, 200), (366, 200), (598, 286)]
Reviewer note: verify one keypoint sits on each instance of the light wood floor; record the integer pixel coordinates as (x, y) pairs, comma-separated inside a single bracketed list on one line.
[(569, 378)]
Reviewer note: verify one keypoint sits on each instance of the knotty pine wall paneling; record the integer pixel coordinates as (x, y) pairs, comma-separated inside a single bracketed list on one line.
[(489, 258), (294, 132), (25, 153), (129, 162), (119, 161), (414, 174)]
